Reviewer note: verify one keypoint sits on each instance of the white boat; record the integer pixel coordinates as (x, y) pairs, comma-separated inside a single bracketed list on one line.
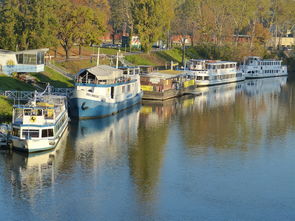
[(209, 72), (255, 67), (103, 90), (40, 124)]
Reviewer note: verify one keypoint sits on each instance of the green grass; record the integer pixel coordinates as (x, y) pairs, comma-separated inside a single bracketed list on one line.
[(140, 59), (74, 66), (6, 108), (174, 55), (10, 83), (158, 58), (54, 78)]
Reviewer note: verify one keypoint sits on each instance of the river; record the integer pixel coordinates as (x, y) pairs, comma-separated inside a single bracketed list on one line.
[(228, 154)]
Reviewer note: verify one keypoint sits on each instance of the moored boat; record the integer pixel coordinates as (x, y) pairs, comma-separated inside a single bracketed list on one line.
[(255, 67), (103, 90), (40, 124), (209, 72), (165, 85)]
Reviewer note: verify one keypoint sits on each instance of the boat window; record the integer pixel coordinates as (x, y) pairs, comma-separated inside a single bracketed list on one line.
[(48, 113), (128, 88), (30, 133), (206, 78), (112, 92), (47, 133), (27, 112), (16, 132), (123, 89)]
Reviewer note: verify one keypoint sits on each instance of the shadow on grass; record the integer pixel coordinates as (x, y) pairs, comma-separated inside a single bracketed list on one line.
[(56, 83), (9, 83)]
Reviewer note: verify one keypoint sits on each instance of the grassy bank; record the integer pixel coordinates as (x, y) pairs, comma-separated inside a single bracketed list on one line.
[(10, 83), (226, 52), (6, 108), (54, 78), (74, 66)]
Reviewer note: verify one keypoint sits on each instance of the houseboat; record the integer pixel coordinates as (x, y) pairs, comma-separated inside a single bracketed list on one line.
[(209, 72), (40, 124), (255, 67), (103, 90), (163, 86)]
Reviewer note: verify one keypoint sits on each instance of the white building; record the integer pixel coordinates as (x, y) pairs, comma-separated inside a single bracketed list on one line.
[(22, 61)]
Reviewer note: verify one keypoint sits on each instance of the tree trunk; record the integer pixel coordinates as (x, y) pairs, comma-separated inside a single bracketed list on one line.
[(67, 54), (113, 37), (80, 50)]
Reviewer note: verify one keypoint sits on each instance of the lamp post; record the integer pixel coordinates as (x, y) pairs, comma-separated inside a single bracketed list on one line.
[(183, 52)]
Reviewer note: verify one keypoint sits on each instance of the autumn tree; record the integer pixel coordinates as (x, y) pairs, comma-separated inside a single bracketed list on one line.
[(79, 23), (151, 20)]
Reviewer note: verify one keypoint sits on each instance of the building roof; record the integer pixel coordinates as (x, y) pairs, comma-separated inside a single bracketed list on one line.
[(104, 72), (2, 51), (34, 51)]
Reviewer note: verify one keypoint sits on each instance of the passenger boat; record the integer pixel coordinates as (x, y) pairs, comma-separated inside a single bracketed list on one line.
[(255, 67), (40, 124), (103, 90), (209, 72)]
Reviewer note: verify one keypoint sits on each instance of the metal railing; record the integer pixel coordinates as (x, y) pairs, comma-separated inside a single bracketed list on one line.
[(27, 95)]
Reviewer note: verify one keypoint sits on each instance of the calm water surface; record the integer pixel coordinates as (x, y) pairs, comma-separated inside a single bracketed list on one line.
[(228, 154)]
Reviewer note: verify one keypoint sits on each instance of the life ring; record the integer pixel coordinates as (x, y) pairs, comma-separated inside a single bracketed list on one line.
[(33, 119)]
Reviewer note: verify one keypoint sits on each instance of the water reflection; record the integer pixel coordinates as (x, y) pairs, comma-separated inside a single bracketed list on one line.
[(162, 158), (104, 141), (29, 174), (147, 153)]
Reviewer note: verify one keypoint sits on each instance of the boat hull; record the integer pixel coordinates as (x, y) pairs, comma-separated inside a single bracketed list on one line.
[(38, 145), (264, 76), (213, 82), (84, 108)]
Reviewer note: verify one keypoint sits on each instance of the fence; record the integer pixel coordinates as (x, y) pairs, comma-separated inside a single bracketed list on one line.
[(27, 95)]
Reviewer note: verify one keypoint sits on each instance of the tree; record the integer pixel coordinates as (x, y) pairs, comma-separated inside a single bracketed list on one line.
[(27, 24), (117, 19), (79, 24), (151, 18)]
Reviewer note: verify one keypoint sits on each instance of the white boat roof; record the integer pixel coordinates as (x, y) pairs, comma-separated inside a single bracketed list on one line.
[(263, 59), (215, 62), (103, 72), (222, 62), (160, 75)]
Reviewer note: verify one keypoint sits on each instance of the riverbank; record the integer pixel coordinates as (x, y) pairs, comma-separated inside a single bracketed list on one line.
[(6, 109)]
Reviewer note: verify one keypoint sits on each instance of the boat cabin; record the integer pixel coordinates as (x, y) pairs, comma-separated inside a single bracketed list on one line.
[(105, 75), (203, 65), (40, 112), (257, 61), (47, 113), (160, 82)]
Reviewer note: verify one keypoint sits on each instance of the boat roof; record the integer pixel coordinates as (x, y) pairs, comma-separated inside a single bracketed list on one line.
[(103, 72), (215, 62), (222, 62), (161, 75), (262, 59)]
